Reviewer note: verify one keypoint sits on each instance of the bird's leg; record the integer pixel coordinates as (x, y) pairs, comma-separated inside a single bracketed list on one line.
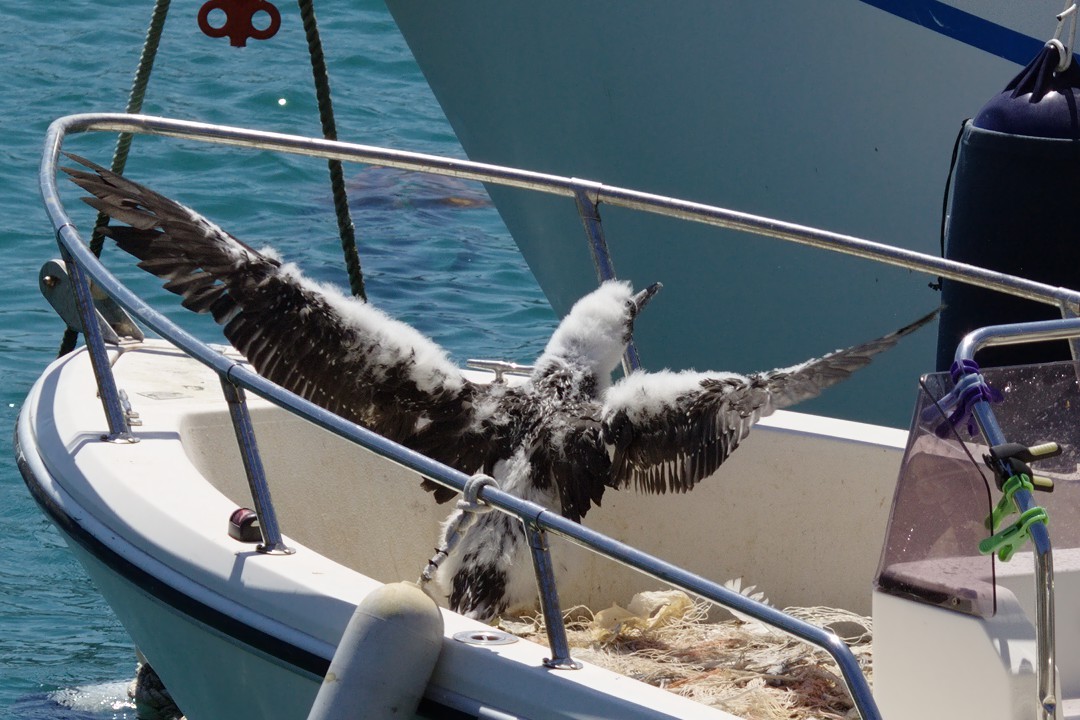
[(469, 507)]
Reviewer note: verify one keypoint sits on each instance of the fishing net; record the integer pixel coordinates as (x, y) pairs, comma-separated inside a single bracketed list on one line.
[(740, 666)]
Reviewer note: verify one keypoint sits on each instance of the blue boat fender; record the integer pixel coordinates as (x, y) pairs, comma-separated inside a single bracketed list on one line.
[(1013, 206), (385, 658)]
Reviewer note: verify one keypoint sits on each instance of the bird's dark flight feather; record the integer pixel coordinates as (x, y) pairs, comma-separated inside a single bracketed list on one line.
[(289, 332), (673, 430)]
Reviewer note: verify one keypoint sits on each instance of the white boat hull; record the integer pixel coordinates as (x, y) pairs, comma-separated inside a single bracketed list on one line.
[(230, 630), (800, 511), (838, 114)]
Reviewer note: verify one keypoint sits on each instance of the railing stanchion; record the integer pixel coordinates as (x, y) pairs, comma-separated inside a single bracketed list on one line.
[(549, 600), (119, 428), (253, 468), (589, 211)]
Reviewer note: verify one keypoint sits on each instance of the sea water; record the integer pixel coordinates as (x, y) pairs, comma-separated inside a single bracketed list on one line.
[(434, 252)]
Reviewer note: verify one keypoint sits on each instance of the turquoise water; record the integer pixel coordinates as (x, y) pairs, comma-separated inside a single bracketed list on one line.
[(435, 253)]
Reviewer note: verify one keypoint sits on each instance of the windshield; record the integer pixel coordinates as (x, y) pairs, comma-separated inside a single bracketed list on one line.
[(945, 492)]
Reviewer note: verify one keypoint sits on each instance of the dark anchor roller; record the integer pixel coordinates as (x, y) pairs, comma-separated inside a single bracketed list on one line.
[(1014, 205)]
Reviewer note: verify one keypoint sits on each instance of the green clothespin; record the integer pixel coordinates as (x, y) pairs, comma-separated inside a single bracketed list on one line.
[(1007, 504), (1006, 542)]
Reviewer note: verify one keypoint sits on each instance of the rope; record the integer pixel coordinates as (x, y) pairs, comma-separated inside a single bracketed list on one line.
[(470, 506), (123, 142), (945, 199), (326, 115), (337, 176), (134, 105)]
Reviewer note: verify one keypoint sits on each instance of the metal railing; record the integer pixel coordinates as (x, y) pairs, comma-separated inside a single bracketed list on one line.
[(1043, 556), (237, 377)]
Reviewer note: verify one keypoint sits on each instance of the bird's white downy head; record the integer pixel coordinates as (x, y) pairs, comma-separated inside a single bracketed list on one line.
[(595, 332)]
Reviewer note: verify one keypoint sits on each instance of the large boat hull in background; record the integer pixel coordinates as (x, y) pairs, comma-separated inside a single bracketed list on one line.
[(838, 114)]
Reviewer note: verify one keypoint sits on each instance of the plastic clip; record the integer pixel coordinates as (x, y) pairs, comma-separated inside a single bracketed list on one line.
[(957, 404), (1006, 542), (1009, 459), (1007, 504)]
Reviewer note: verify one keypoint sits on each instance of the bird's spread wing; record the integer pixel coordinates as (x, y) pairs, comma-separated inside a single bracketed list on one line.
[(577, 463), (335, 351), (669, 430)]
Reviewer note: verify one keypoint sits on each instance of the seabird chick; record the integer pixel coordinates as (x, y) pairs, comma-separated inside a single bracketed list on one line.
[(560, 439)]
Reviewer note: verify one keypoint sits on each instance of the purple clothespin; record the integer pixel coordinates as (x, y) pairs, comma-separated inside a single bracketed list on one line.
[(970, 388)]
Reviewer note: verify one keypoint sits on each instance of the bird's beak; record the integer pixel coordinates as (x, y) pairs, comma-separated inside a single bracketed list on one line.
[(643, 297)]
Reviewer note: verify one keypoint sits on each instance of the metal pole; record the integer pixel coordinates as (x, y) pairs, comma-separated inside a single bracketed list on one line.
[(119, 429), (253, 468), (541, 182), (589, 212), (1045, 637), (549, 600)]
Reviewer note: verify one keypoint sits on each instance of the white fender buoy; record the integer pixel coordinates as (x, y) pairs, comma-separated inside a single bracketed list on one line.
[(385, 658)]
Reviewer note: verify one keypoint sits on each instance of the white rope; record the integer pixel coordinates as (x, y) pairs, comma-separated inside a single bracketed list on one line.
[(470, 506)]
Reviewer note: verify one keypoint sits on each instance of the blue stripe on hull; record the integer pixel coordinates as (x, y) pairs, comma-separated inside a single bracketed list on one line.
[(963, 26)]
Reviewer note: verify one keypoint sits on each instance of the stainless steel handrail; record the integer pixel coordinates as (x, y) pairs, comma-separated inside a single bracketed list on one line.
[(569, 187), (1046, 655), (587, 194)]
